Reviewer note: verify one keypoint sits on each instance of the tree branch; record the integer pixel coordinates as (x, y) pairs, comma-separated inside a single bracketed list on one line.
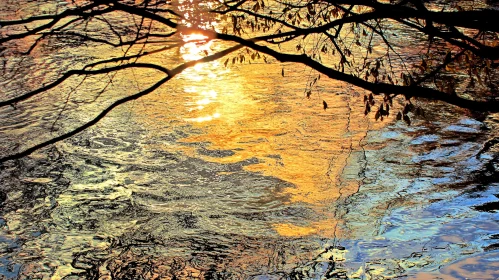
[(376, 88), (80, 72), (171, 73)]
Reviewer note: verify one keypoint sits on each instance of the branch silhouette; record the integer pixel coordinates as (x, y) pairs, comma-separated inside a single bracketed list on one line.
[(359, 38), (170, 74)]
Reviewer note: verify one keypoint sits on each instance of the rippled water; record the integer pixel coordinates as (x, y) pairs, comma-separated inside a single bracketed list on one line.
[(232, 173)]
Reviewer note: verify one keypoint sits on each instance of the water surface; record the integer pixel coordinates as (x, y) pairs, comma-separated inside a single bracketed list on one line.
[(232, 173)]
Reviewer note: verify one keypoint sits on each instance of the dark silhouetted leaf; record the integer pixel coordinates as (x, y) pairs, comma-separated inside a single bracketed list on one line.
[(448, 57), (408, 108), (390, 79), (419, 111), (407, 120), (399, 116), (324, 104)]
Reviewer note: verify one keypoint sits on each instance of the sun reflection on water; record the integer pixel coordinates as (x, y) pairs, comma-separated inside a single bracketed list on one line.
[(243, 109), (196, 47)]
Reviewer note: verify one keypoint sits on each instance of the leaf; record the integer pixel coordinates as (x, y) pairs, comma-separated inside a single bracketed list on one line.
[(256, 7), (324, 104), (390, 79), (399, 116), (407, 120), (408, 108), (234, 23), (407, 80), (308, 94), (378, 114), (448, 57), (282, 72), (226, 62), (420, 111)]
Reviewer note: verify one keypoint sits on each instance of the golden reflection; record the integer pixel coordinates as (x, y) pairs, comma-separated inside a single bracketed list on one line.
[(195, 46), (252, 111), (323, 228), (244, 110)]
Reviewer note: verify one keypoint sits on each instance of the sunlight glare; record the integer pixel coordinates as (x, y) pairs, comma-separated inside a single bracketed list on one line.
[(196, 46)]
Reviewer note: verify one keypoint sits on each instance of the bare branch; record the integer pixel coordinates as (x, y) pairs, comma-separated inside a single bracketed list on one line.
[(81, 72), (170, 74)]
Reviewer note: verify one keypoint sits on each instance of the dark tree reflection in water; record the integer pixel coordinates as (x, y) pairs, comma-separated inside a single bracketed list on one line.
[(229, 171)]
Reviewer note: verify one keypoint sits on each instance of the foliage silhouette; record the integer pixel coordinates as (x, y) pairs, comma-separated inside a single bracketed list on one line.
[(360, 42)]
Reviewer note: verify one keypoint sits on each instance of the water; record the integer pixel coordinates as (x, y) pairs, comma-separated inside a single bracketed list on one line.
[(232, 173)]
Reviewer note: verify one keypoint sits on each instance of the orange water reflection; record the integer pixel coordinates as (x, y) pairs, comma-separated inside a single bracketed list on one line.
[(252, 111)]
